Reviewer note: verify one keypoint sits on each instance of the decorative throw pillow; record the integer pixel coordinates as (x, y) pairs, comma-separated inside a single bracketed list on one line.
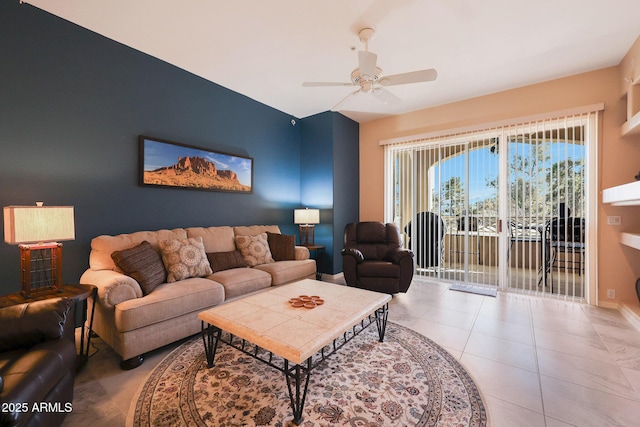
[(282, 246), (143, 264), (254, 249), (184, 258), (225, 260)]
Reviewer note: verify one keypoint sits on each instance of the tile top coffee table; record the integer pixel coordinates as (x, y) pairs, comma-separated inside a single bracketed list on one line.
[(297, 334)]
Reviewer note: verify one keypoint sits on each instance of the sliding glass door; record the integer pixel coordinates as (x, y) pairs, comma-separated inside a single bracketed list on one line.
[(547, 208), (505, 207), (446, 203)]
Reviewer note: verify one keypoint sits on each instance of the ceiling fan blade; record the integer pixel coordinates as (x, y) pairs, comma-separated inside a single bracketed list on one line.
[(319, 84), (385, 96), (412, 77), (367, 64), (339, 104)]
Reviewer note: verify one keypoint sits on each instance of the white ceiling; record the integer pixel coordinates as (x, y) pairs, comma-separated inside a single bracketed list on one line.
[(265, 49)]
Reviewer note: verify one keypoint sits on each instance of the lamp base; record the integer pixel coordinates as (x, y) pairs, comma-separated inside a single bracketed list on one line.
[(304, 232), (40, 268)]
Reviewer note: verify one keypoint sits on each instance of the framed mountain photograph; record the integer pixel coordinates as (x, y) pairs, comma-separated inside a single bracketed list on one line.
[(171, 164)]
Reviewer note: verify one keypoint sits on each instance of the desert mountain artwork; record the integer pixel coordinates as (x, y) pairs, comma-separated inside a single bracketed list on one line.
[(192, 170)]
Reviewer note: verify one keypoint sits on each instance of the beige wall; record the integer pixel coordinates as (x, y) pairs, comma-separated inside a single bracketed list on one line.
[(619, 159)]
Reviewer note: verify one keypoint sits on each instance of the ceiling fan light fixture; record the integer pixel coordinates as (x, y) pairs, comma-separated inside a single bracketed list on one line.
[(358, 79)]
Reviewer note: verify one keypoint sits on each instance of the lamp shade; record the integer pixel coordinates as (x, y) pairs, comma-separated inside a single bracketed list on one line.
[(306, 216), (38, 224)]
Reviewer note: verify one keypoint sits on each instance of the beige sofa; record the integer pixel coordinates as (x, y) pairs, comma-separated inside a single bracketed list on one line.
[(134, 322)]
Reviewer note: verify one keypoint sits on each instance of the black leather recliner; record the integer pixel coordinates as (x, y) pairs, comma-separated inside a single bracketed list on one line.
[(373, 259), (37, 362)]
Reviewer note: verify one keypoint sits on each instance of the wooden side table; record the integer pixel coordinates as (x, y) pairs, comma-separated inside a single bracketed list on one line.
[(317, 253), (79, 293)]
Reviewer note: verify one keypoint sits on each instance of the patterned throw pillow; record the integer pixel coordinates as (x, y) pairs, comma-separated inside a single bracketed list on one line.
[(184, 258), (143, 264), (254, 249)]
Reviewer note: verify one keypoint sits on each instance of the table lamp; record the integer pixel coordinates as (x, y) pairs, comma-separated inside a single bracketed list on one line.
[(36, 230), (306, 219)]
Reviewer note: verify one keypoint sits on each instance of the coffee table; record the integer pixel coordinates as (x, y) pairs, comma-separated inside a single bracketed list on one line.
[(302, 337)]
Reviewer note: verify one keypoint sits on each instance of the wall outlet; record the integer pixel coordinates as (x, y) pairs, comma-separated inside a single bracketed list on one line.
[(614, 220), (611, 293)]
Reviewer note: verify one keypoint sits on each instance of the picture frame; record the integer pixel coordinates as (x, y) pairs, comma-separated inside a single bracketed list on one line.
[(172, 164)]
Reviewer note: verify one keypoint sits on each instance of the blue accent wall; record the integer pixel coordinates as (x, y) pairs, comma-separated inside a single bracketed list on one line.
[(330, 180), (346, 182), (72, 106)]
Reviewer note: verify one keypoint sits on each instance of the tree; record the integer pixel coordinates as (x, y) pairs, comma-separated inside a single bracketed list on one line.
[(526, 182), (450, 200), (566, 178)]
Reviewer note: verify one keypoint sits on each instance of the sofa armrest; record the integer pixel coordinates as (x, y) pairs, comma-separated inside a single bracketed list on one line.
[(395, 255), (31, 323), (356, 254), (302, 253), (350, 260), (113, 287)]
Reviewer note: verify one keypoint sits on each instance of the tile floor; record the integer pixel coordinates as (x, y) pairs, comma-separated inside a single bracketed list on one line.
[(538, 362)]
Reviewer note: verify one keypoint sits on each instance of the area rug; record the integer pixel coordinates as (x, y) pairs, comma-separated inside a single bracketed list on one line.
[(407, 380)]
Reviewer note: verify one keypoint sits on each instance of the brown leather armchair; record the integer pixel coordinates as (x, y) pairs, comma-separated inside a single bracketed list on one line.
[(373, 259), (37, 362)]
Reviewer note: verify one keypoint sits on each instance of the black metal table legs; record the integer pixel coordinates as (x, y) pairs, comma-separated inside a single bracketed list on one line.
[(210, 337), (297, 383), (297, 375), (382, 314)]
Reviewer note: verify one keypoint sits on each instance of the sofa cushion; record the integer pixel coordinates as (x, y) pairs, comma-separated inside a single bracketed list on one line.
[(282, 246), (184, 258), (225, 260), (215, 239), (103, 246), (254, 249), (287, 271), (252, 230), (142, 263), (240, 281), (168, 301), (378, 269), (371, 232)]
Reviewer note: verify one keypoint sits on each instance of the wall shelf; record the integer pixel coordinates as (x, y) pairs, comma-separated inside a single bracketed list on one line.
[(630, 239), (631, 126), (632, 99), (623, 195)]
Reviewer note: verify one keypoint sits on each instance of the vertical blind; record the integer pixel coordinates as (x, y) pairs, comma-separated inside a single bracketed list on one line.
[(451, 194)]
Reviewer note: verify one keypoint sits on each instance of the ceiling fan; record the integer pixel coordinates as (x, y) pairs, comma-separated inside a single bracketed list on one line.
[(368, 77)]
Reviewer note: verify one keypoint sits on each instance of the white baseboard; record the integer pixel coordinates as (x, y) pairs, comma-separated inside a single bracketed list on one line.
[(632, 314), (333, 277), (606, 304)]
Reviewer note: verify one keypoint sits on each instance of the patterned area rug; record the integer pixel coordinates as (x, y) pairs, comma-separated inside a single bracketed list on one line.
[(408, 380)]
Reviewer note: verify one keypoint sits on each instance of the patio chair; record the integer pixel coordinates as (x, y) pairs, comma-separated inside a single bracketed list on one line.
[(428, 242), (564, 236)]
